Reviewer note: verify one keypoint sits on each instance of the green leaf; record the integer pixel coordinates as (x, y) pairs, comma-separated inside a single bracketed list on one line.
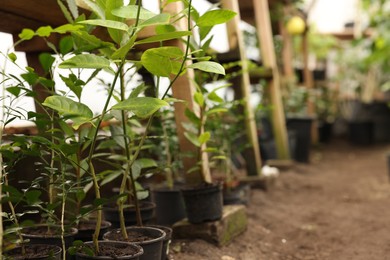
[(141, 106), (122, 51), (74, 84), (192, 117), (203, 138), (95, 8), (208, 66), (160, 61), (156, 20), (199, 99), (66, 44), (192, 138), (30, 77), (146, 163), (66, 28), (73, 8), (14, 91), (44, 31), (215, 17), (32, 197), (86, 41), (46, 60), (67, 107), (107, 23), (138, 90), (214, 97), (164, 37), (216, 110), (65, 11), (110, 177), (204, 31), (130, 12), (86, 61), (26, 34), (12, 56), (165, 28)]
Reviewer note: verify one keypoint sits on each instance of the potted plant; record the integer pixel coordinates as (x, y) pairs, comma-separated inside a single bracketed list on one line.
[(13, 244)]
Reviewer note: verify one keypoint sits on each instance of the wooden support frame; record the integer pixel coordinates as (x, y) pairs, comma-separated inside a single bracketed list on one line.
[(263, 25), (236, 41)]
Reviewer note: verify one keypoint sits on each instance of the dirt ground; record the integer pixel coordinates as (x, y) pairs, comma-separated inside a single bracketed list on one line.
[(336, 207)]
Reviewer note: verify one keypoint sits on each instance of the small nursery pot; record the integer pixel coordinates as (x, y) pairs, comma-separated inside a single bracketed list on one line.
[(166, 241), (35, 252), (50, 235), (203, 202), (149, 238), (147, 208), (169, 205), (113, 250)]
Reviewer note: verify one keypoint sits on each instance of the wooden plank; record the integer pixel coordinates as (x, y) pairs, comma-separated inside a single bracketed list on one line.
[(263, 25), (236, 41), (43, 11)]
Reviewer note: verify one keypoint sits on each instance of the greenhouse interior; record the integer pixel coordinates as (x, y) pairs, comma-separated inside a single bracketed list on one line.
[(191, 130)]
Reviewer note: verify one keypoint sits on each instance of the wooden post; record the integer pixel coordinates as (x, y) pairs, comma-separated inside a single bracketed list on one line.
[(287, 51), (263, 25), (184, 89), (236, 40)]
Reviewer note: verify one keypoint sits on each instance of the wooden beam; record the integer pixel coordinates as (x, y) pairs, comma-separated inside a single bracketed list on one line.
[(263, 25), (236, 41)]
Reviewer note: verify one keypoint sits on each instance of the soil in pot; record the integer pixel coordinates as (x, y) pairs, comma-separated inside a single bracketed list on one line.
[(169, 205), (149, 238), (112, 250), (203, 202), (43, 234), (111, 214), (38, 252), (86, 229)]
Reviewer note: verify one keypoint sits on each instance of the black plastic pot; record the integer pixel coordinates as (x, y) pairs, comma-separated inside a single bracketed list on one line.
[(302, 128), (324, 131), (147, 208), (86, 232), (166, 241), (36, 235), (169, 205), (361, 132), (237, 195), (51, 252), (152, 247), (115, 245), (203, 203)]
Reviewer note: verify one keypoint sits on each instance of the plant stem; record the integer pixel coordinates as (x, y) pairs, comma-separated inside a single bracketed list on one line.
[(89, 159), (63, 212), (99, 216), (13, 212), (169, 173)]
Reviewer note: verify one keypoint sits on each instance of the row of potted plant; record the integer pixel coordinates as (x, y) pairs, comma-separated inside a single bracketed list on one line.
[(64, 192)]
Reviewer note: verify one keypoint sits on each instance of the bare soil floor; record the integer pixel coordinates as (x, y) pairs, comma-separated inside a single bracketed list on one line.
[(336, 207)]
